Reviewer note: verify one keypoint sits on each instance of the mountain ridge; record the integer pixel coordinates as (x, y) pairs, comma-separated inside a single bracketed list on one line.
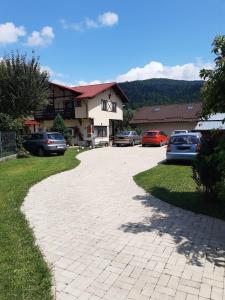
[(159, 91)]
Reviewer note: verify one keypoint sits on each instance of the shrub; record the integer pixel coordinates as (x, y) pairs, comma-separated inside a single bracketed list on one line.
[(208, 169)]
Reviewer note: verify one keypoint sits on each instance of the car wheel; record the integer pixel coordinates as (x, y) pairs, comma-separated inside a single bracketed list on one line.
[(143, 145), (41, 152), (60, 153)]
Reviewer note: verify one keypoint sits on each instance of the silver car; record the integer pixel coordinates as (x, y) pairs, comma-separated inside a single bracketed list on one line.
[(183, 146), (127, 137), (46, 143)]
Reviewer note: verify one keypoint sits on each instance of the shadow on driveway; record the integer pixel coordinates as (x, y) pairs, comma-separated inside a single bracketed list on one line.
[(196, 236)]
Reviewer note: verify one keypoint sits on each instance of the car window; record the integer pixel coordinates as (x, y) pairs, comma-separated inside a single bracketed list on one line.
[(37, 136), (150, 133), (124, 132), (55, 136), (184, 139)]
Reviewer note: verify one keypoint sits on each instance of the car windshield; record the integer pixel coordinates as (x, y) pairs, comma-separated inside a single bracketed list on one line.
[(125, 132), (150, 133), (55, 136), (184, 139)]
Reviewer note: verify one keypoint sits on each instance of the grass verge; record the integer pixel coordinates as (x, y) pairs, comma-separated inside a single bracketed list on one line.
[(23, 272), (174, 184)]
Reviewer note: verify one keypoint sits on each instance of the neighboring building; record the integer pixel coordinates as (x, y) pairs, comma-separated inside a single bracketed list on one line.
[(92, 112), (214, 122), (168, 117)]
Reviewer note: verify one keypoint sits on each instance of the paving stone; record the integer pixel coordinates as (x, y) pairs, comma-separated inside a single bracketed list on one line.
[(105, 238)]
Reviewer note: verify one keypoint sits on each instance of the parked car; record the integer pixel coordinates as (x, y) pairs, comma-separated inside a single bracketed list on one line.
[(126, 138), (154, 137), (183, 146), (180, 131), (45, 143)]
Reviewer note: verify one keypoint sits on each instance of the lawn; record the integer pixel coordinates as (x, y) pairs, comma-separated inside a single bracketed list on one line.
[(174, 184), (23, 272)]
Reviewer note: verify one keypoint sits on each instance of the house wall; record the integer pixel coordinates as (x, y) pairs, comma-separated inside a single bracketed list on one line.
[(101, 117), (82, 112), (61, 96), (167, 127)]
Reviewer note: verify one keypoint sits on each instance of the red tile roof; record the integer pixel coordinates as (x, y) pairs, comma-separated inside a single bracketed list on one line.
[(64, 87), (90, 91), (168, 113)]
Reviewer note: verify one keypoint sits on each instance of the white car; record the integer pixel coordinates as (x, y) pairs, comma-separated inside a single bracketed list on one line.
[(177, 131)]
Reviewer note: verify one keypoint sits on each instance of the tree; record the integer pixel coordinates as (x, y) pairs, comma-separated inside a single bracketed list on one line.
[(213, 90), (209, 168), (24, 87), (8, 124), (59, 126), (128, 114)]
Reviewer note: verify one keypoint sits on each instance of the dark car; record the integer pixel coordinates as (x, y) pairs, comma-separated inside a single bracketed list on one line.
[(45, 143), (126, 137)]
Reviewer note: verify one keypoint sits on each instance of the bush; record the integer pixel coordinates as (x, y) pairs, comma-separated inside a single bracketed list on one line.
[(208, 169)]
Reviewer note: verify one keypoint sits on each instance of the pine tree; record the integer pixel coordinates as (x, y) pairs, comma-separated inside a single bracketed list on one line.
[(59, 126)]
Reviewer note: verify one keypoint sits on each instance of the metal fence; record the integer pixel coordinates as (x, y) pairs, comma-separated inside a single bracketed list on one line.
[(7, 143)]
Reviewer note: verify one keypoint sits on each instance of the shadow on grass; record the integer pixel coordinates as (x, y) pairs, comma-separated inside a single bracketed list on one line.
[(196, 236)]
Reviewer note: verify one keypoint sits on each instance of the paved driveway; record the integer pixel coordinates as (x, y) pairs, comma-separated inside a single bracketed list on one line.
[(106, 239)]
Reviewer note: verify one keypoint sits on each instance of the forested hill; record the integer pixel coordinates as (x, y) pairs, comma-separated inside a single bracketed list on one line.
[(161, 91)]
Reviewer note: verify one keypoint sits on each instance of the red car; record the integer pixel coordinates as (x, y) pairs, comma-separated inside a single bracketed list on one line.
[(154, 137)]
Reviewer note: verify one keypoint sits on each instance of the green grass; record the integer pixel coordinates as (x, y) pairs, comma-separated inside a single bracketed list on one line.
[(23, 272), (174, 184)]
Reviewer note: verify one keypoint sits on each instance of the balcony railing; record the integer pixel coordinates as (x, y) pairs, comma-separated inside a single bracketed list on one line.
[(50, 114)]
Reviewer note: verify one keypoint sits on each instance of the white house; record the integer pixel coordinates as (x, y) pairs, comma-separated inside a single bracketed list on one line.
[(91, 112)]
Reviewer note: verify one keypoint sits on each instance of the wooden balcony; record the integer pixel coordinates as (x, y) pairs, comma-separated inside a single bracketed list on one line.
[(50, 114)]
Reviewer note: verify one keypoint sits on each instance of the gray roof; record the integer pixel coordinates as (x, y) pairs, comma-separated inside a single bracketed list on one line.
[(213, 122)]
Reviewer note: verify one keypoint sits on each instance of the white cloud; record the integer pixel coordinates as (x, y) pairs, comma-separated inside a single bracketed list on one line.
[(57, 81), (9, 33), (108, 19), (81, 82), (91, 23), (156, 69), (41, 38), (47, 69)]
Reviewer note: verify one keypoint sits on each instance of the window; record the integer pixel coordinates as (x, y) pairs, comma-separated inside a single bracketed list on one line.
[(37, 136), (184, 139), (78, 103), (114, 106), (150, 133), (55, 136), (104, 105), (100, 131), (109, 106)]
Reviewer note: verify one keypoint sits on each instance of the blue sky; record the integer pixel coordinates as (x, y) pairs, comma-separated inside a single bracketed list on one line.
[(83, 41)]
